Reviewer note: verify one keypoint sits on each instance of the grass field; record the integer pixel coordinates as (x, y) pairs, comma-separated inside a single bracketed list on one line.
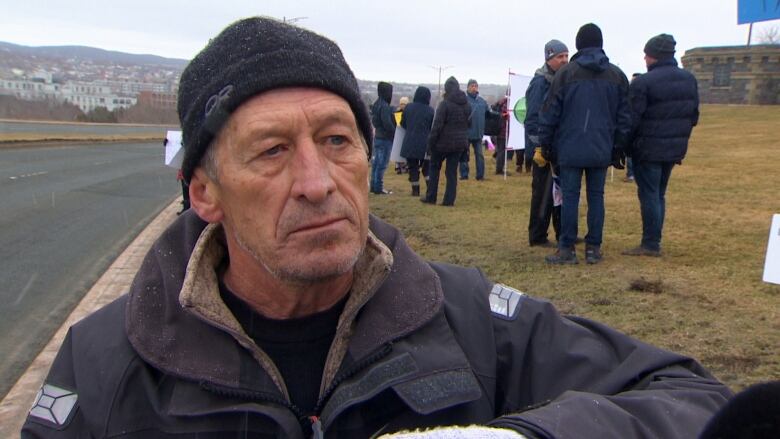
[(704, 297)]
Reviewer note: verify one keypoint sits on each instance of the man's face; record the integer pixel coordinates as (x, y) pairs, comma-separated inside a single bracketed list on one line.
[(473, 88), (291, 183), (558, 61)]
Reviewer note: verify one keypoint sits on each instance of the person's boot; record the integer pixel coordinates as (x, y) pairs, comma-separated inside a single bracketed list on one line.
[(642, 251), (592, 254), (564, 256), (415, 191)]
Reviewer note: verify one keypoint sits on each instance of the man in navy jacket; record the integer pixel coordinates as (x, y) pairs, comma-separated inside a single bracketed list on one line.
[(665, 108), (585, 116)]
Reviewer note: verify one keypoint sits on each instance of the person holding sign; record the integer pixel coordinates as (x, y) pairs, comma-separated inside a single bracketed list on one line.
[(556, 55)]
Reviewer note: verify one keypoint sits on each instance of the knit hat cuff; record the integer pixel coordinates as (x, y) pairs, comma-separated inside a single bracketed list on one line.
[(251, 76)]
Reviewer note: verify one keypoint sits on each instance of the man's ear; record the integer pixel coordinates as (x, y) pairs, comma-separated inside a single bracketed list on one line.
[(204, 197)]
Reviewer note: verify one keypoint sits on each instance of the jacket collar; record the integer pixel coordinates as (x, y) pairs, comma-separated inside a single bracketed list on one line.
[(663, 62), (176, 321)]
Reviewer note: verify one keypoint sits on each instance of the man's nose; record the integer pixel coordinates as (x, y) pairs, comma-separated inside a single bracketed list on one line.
[(311, 170)]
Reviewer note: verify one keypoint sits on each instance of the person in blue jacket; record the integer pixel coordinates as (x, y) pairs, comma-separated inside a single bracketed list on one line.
[(584, 118), (384, 125), (665, 108), (556, 55), (479, 109)]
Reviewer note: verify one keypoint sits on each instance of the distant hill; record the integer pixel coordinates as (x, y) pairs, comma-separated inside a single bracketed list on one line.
[(92, 54)]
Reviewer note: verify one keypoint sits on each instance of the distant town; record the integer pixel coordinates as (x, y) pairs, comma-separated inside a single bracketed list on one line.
[(89, 84)]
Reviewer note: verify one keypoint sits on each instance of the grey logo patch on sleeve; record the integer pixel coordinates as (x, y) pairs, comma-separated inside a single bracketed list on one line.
[(54, 404), (505, 301)]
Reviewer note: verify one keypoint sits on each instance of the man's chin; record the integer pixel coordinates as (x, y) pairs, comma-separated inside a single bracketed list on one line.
[(317, 266)]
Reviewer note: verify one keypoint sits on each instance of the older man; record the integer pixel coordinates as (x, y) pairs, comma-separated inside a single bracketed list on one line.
[(556, 55), (279, 307)]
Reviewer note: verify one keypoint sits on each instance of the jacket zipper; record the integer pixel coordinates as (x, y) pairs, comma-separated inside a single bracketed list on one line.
[(377, 355), (313, 421)]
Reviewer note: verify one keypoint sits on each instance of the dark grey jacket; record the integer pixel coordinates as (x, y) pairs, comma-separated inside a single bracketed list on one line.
[(451, 121), (434, 345)]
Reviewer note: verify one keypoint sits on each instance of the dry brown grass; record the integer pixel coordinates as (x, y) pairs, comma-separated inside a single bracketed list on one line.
[(704, 298)]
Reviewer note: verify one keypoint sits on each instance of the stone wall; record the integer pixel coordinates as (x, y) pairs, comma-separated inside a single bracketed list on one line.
[(736, 74)]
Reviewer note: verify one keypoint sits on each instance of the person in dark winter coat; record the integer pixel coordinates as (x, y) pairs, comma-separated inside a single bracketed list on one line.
[(448, 140), (584, 121), (417, 119), (556, 55), (384, 123), (279, 307), (502, 119), (665, 108)]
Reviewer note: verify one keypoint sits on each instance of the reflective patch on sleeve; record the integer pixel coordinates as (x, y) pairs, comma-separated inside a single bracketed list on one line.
[(505, 301), (54, 404)]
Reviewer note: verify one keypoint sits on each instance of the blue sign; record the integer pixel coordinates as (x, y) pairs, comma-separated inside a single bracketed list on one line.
[(750, 11)]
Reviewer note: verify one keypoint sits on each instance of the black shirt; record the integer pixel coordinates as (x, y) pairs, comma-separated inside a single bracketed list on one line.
[(298, 347)]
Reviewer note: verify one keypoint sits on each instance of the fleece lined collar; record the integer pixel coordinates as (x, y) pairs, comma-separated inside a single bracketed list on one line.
[(177, 321)]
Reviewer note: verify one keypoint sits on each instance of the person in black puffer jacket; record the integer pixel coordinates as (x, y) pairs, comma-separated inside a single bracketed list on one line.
[(665, 108), (448, 139), (417, 119)]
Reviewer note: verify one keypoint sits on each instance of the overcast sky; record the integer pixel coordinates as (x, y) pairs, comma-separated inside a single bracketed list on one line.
[(395, 40)]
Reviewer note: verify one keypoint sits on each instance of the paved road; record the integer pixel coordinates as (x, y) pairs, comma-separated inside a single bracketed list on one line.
[(10, 126), (66, 213)]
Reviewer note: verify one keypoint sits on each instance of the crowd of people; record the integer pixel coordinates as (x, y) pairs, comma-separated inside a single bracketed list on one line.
[(279, 306), (581, 117)]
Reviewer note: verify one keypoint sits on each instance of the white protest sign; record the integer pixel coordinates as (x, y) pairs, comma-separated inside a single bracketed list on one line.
[(772, 264), (174, 153), (398, 140), (516, 107)]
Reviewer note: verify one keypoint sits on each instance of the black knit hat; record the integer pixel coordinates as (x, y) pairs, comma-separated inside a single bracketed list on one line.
[(589, 35), (660, 46), (249, 57)]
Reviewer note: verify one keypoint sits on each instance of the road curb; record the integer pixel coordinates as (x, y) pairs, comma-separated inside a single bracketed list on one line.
[(112, 284)]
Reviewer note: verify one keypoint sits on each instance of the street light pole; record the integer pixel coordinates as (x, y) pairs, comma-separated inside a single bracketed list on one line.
[(440, 68), (292, 20)]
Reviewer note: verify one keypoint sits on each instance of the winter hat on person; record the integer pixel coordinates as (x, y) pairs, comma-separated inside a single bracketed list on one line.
[(553, 48), (589, 35), (660, 46), (471, 81), (247, 58)]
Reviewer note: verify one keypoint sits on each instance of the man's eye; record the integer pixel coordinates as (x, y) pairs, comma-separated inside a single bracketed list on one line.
[(272, 151), (337, 140)]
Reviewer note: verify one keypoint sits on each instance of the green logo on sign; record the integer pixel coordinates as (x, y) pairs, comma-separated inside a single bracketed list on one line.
[(519, 110)]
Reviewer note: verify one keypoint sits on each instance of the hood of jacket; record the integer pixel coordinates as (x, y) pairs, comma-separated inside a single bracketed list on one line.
[(422, 95), (545, 71), (453, 93), (592, 58), (385, 91), (177, 322)]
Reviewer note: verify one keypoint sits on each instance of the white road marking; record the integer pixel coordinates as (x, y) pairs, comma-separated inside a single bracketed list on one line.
[(33, 174)]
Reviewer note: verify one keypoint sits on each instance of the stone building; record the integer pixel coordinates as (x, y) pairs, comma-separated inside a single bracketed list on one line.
[(736, 74)]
